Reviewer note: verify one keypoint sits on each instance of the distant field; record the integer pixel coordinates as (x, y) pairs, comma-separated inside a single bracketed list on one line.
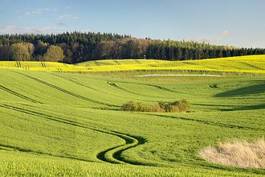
[(70, 124), (244, 64)]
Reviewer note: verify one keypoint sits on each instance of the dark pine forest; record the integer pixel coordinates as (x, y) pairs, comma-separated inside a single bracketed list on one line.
[(79, 47)]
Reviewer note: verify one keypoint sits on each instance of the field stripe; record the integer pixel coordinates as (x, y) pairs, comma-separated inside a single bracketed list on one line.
[(91, 88), (252, 66), (67, 92), (115, 85), (218, 124), (75, 82), (150, 85), (3, 88), (111, 155), (25, 150)]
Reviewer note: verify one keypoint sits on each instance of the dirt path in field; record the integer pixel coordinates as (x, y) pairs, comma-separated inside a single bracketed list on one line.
[(179, 75)]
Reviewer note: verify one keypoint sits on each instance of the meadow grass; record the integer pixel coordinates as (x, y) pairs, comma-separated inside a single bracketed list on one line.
[(70, 124)]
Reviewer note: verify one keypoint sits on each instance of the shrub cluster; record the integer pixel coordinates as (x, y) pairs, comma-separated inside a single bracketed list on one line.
[(141, 107), (176, 106)]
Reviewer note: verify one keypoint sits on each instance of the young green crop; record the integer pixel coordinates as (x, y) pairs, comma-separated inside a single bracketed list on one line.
[(70, 124)]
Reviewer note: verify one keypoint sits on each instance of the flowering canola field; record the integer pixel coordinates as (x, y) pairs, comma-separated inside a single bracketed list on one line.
[(244, 64)]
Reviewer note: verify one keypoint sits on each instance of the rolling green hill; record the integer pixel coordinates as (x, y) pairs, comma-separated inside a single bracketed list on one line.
[(70, 123)]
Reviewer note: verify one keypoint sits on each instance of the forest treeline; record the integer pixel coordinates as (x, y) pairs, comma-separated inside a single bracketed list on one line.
[(78, 47)]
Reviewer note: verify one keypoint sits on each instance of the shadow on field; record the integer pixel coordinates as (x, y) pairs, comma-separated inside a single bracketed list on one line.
[(207, 122), (245, 108), (244, 91)]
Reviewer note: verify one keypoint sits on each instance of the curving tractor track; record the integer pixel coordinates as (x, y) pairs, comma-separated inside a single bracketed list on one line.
[(114, 154), (111, 155)]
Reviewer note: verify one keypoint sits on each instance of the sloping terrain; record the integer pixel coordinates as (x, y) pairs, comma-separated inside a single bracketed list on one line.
[(70, 124), (245, 64)]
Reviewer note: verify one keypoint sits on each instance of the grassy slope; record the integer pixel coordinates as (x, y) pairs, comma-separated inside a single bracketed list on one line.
[(65, 124)]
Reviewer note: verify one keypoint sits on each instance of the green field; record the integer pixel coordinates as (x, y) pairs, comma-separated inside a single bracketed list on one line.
[(70, 123)]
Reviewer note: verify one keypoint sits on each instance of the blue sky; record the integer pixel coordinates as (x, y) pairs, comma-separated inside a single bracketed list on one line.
[(233, 22)]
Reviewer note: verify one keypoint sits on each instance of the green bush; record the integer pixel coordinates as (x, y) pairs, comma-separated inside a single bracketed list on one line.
[(177, 106), (141, 107)]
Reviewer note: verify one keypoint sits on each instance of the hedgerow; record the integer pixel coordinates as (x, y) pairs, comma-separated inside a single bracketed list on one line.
[(176, 106)]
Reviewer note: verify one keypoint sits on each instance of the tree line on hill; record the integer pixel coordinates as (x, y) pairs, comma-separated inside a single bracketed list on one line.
[(79, 47)]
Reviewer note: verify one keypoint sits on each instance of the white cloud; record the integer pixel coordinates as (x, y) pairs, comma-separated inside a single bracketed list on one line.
[(53, 29), (61, 24), (40, 11), (13, 29), (68, 17)]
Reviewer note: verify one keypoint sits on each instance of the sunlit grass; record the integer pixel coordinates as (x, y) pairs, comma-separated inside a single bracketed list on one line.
[(71, 124)]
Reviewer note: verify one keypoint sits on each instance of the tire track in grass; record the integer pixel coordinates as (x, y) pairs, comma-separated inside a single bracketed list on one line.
[(67, 92), (37, 114), (114, 154), (83, 85), (111, 155), (150, 85), (113, 84), (162, 88), (25, 150), (3, 88), (218, 124), (132, 142), (75, 82), (251, 65)]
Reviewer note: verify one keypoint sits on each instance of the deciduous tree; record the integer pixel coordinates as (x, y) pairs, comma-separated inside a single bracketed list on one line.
[(54, 53), (22, 51)]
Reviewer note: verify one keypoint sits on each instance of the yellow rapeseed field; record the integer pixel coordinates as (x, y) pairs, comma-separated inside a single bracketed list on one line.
[(245, 64)]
